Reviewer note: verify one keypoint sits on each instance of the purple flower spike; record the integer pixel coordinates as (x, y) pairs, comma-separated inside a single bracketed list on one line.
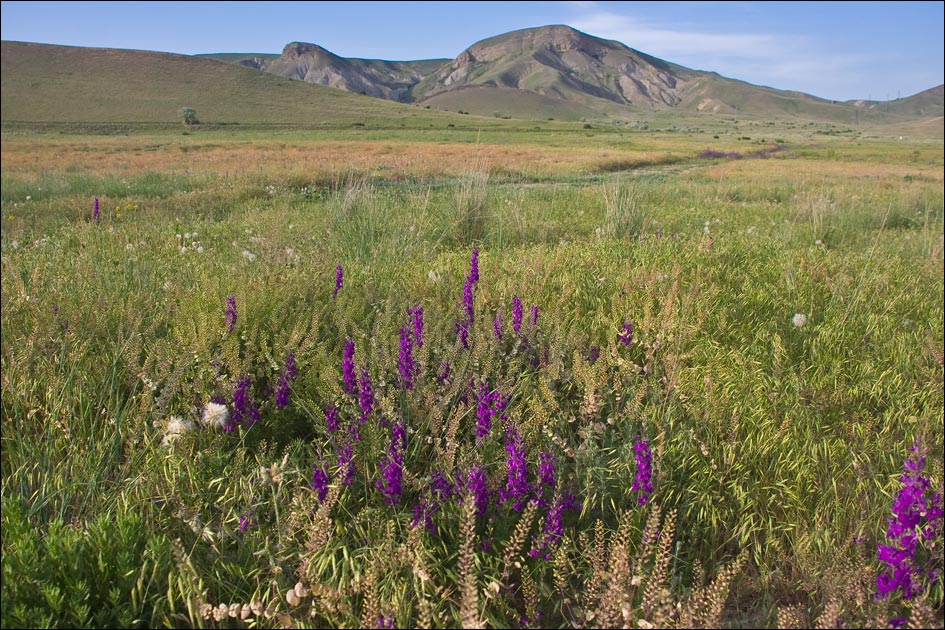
[(476, 483), (248, 519), (320, 481), (917, 519), (347, 367), (534, 320), (405, 363), (339, 281), (626, 334), (331, 418), (483, 413), (95, 210), (417, 313), (516, 315), (546, 470), (643, 481), (474, 267), (392, 469), (517, 485), (468, 301), (366, 397), (245, 410), (289, 373), (231, 313)]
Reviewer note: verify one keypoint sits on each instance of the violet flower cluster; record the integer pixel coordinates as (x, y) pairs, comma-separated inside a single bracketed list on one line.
[(626, 334), (643, 481), (468, 311), (441, 489), (320, 481), (289, 373), (245, 409), (95, 210), (516, 487), (516, 315), (917, 518), (339, 281), (231, 313), (416, 313), (347, 367), (498, 325), (405, 362), (331, 418), (392, 468), (366, 395), (554, 526)]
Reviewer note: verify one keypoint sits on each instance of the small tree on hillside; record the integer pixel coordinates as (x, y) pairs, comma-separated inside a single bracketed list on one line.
[(189, 116)]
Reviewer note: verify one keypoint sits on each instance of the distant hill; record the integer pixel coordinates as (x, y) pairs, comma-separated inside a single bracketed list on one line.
[(47, 83), (557, 71), (926, 103)]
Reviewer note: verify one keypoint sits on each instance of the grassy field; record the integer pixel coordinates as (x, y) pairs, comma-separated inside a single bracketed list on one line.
[(650, 388)]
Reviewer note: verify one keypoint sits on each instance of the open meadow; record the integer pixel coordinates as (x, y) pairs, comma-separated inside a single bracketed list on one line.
[(461, 371)]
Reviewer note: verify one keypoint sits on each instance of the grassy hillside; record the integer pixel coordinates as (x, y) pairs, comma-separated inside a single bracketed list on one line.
[(64, 84)]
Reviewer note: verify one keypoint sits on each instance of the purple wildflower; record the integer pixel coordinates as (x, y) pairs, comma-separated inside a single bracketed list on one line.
[(517, 485), (462, 331), (643, 481), (366, 396), (289, 373), (95, 210), (468, 301), (231, 312), (331, 418), (320, 481), (55, 309), (248, 519), (917, 517), (593, 353), (483, 412), (476, 484), (384, 621), (339, 281), (346, 463), (534, 320), (392, 469), (405, 363), (444, 374), (245, 410), (554, 526), (626, 334), (347, 367), (516, 315), (441, 489), (474, 267), (417, 313), (497, 325)]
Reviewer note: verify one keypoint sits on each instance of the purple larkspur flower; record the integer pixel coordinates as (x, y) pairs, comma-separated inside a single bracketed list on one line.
[(462, 331), (534, 319), (444, 375), (347, 367), (331, 418), (476, 484), (593, 354), (643, 480), (441, 489), (320, 481), (417, 314), (392, 468), (497, 325), (483, 412), (516, 488), (339, 281), (474, 267), (95, 209), (626, 334), (917, 518), (245, 409), (384, 621), (248, 519), (405, 362), (553, 530), (366, 395), (55, 309), (468, 298), (346, 463), (516, 315), (289, 373), (231, 313)]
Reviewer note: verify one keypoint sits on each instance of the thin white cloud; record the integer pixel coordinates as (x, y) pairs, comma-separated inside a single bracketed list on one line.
[(781, 61)]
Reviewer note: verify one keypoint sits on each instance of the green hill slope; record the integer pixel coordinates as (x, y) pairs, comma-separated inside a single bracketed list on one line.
[(43, 83)]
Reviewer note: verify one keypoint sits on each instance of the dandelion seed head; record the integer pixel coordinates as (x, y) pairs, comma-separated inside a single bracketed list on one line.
[(799, 320), (215, 415)]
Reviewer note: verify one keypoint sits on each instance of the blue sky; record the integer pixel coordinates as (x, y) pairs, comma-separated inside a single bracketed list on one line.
[(838, 50)]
